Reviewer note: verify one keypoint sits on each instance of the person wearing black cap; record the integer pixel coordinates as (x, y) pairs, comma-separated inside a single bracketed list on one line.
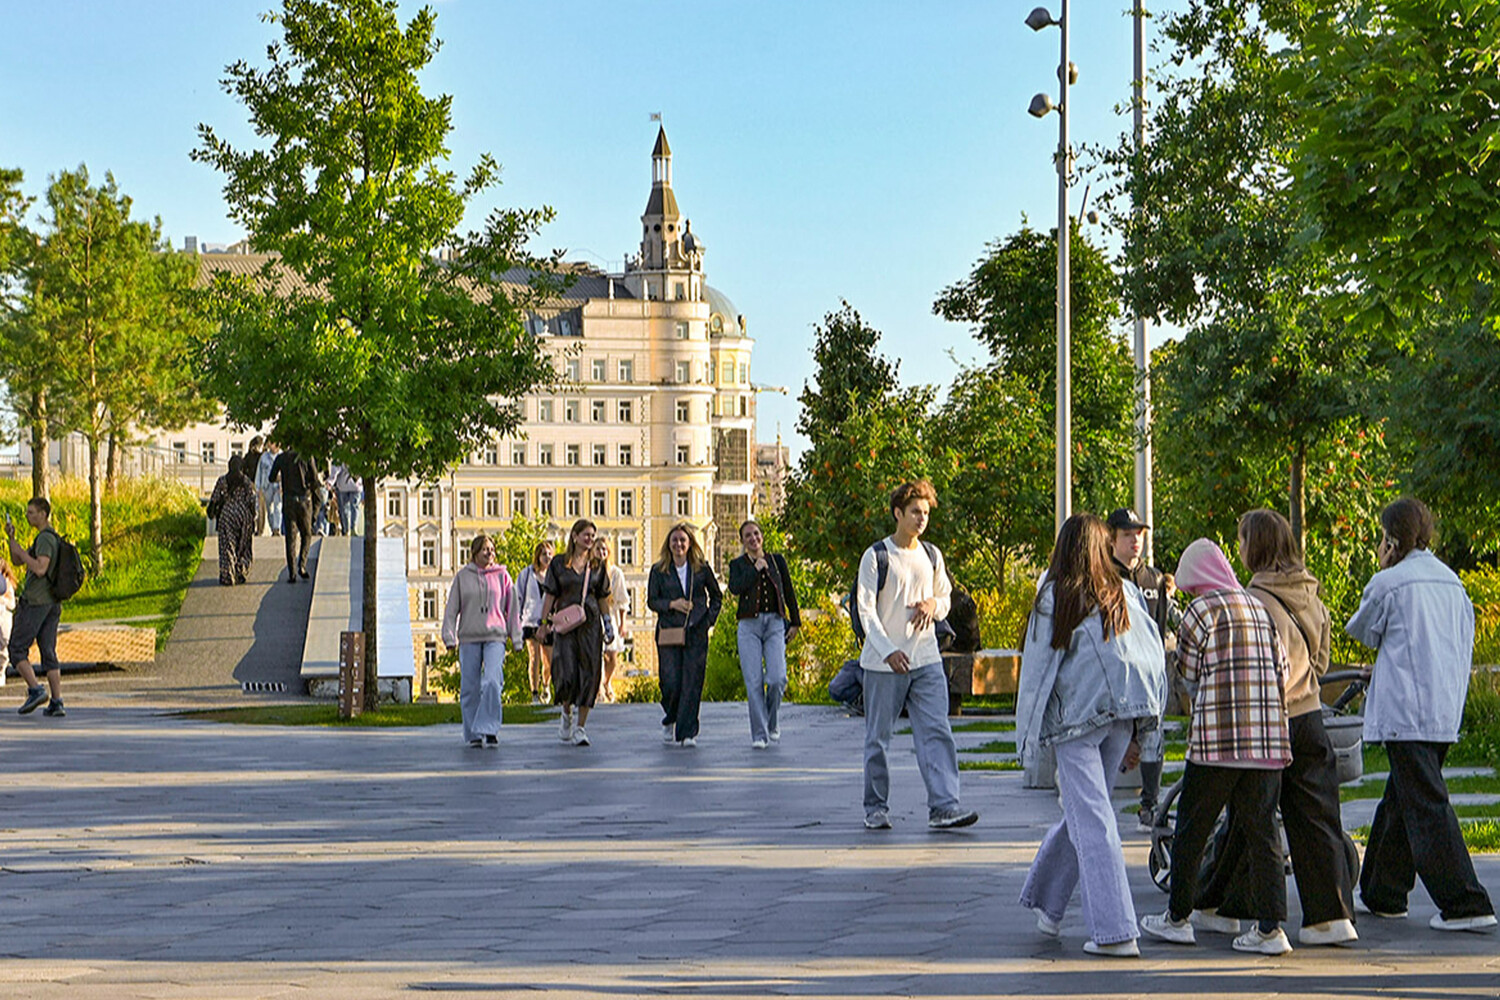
[(1128, 536)]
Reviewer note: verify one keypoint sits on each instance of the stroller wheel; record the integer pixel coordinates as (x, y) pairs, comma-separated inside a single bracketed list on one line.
[(1159, 861), (1351, 858)]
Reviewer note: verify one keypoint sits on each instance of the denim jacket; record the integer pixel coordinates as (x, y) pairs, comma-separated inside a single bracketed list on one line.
[(1065, 693), (1418, 618)]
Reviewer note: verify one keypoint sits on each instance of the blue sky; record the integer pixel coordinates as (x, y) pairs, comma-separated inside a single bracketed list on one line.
[(823, 150)]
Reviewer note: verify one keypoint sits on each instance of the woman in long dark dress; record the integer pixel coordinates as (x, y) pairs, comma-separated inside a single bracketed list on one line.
[(232, 506), (578, 655)]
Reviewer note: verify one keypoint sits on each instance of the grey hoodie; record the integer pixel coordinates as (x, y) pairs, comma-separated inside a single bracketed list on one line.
[(1305, 628)]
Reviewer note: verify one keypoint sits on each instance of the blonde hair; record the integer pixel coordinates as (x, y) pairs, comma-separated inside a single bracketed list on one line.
[(695, 557)]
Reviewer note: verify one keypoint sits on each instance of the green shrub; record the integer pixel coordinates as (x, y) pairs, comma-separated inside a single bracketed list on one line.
[(641, 688), (1479, 743), (444, 677), (1003, 613), (1483, 586), (823, 644), (722, 680)]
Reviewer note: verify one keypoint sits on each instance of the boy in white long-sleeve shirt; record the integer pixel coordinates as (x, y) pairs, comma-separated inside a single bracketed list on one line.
[(903, 667)]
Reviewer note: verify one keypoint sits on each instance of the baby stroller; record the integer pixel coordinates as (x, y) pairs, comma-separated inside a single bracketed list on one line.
[(1346, 732)]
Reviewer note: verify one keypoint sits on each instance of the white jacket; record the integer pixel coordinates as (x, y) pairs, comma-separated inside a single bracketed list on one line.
[(1419, 619)]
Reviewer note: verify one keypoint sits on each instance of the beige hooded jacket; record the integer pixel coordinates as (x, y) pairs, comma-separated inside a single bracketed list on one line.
[(1291, 597)]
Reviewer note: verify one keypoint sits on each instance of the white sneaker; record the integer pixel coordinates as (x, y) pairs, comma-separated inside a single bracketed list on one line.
[(1274, 943), (775, 735), (1119, 949), (1328, 932), (758, 744), (668, 734), (1483, 922), (1209, 920), (565, 728), (1163, 926), (691, 741), (1048, 926), (579, 737)]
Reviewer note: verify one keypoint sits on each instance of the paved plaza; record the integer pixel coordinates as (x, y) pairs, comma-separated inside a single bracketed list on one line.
[(150, 855)]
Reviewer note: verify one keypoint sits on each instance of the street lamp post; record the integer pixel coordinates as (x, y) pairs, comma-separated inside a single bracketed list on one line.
[(1143, 498), (1067, 74)]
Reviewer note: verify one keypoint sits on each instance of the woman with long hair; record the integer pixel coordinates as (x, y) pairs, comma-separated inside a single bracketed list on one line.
[(1418, 618), (232, 506), (1093, 678), (1310, 783), (574, 578), (614, 643), (529, 585), (7, 611), (481, 615), (768, 619), (685, 595)]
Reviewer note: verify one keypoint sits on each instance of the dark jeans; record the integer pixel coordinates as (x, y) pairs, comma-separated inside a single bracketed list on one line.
[(1416, 833), (681, 669), (1206, 790), (1314, 833), (296, 520)]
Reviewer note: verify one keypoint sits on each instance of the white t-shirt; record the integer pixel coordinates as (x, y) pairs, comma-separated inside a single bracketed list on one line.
[(886, 616)]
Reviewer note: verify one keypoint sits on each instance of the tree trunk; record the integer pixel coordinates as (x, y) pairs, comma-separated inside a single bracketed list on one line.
[(367, 585), (96, 501), (1297, 495), (112, 465), (39, 445)]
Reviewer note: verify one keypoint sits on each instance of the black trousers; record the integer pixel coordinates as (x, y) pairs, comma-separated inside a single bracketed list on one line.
[(1415, 832), (296, 520), (1206, 790), (1314, 833), (681, 670)]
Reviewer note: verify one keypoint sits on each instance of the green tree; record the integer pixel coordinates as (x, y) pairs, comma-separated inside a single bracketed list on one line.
[(1009, 300), (851, 373), (382, 356), (25, 354)]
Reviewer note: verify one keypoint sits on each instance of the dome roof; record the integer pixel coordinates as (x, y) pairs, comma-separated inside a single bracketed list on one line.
[(719, 303)]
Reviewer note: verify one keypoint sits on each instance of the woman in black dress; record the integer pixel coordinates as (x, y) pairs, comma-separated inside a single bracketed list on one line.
[(232, 506), (578, 655)]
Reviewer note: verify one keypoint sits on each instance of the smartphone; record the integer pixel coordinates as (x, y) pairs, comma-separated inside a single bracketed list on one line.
[(9, 524)]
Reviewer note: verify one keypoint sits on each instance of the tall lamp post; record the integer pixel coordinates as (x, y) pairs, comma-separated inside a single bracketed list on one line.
[(1143, 498), (1067, 74)]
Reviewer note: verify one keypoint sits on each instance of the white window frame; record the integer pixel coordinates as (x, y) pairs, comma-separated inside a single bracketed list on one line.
[(573, 503), (627, 370), (599, 369), (627, 503), (599, 503), (465, 503)]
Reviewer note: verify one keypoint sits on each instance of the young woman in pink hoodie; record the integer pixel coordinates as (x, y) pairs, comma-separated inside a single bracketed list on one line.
[(483, 612)]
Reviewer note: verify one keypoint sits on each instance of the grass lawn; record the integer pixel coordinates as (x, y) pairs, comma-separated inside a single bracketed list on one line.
[(327, 714), (153, 541), (993, 746), (989, 765)]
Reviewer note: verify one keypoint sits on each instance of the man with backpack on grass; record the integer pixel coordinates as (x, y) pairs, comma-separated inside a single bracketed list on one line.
[(903, 667), (39, 608)]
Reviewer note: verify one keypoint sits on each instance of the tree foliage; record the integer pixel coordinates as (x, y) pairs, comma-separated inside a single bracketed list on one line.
[(381, 356)]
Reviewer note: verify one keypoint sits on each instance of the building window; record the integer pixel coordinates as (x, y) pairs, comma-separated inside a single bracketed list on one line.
[(429, 653), (238, 448), (465, 503), (544, 454), (624, 412), (598, 503), (627, 371), (599, 450), (627, 455), (682, 454), (745, 372), (627, 503), (429, 503), (744, 406), (680, 291), (518, 454), (209, 451), (492, 454), (570, 368), (597, 369), (666, 503), (429, 553), (544, 411), (545, 504), (684, 503), (596, 411), (570, 411), (429, 605), (574, 501), (684, 371), (565, 326), (728, 375), (395, 503), (625, 550), (517, 503), (683, 411), (570, 454), (682, 331), (491, 503)]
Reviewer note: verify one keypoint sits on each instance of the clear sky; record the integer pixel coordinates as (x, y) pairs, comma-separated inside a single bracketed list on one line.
[(823, 150)]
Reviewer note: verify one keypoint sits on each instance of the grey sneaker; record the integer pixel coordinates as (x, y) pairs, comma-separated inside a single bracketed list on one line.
[(579, 737), (565, 728), (948, 819), (878, 820), (54, 708), (1259, 942), (668, 733), (775, 735), (34, 698), (1045, 924)]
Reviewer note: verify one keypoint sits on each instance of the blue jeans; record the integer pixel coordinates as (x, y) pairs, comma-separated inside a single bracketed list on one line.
[(1084, 846), (349, 512), (923, 692), (481, 681), (273, 507), (762, 643)]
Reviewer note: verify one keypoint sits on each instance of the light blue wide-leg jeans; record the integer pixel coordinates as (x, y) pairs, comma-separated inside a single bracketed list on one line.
[(762, 644), (923, 692), (1083, 849), (481, 681)]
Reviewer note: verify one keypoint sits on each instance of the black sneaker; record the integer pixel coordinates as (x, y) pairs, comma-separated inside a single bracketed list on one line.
[(492, 741), (34, 698), (54, 708), (948, 819), (475, 744)]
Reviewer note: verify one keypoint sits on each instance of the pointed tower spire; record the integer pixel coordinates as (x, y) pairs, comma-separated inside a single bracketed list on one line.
[(659, 231)]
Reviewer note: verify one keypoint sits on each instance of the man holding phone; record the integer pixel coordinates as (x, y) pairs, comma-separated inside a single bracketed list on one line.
[(37, 612)]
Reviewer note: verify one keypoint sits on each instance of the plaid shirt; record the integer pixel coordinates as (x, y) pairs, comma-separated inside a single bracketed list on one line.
[(1228, 645)]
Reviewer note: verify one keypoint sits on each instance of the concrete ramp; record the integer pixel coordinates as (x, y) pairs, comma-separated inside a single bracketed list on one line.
[(337, 607)]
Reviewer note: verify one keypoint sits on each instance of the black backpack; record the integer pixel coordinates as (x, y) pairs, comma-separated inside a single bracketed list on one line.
[(65, 575), (883, 570)]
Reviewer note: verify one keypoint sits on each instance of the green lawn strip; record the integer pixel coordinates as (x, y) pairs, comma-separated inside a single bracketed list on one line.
[(984, 726), (445, 713), (1480, 836), (989, 765), (993, 746), (1457, 785)]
